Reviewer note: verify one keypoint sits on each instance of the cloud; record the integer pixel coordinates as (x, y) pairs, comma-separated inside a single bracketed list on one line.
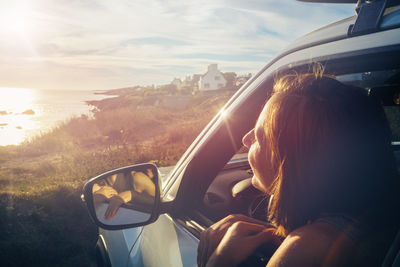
[(100, 44), (50, 49), (225, 57), (156, 40)]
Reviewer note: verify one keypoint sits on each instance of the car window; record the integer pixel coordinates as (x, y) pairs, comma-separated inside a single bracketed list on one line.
[(376, 80), (218, 199)]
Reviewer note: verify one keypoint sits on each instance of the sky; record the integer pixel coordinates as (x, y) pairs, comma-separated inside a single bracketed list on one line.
[(103, 44)]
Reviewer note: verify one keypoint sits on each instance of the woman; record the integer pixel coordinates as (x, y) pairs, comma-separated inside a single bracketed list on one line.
[(323, 150)]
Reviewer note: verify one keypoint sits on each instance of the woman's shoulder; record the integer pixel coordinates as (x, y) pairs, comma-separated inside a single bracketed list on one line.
[(315, 244)]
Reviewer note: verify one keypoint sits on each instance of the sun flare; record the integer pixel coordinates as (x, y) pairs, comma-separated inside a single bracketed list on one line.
[(16, 114), (16, 100), (15, 17)]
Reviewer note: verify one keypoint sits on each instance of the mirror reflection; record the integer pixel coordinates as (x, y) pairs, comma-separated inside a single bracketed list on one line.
[(126, 197)]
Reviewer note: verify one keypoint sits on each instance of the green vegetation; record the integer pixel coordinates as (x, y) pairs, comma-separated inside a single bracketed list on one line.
[(43, 221)]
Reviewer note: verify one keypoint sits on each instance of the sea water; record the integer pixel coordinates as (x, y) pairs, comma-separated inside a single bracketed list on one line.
[(25, 112)]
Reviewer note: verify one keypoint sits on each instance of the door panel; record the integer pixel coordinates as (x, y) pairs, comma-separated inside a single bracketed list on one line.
[(118, 244), (164, 243)]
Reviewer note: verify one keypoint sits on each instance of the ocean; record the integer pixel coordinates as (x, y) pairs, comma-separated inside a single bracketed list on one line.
[(25, 112)]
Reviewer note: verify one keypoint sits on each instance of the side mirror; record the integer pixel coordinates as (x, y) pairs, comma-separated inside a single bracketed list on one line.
[(124, 198)]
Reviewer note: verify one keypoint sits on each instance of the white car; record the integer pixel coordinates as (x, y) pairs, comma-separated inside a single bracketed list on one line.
[(211, 180)]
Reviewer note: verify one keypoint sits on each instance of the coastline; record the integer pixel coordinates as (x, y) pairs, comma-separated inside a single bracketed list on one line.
[(41, 111), (41, 180)]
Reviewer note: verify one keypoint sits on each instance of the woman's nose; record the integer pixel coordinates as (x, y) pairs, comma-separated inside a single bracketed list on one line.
[(248, 139)]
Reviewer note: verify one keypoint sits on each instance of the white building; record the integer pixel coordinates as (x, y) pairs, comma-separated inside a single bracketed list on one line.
[(212, 79)]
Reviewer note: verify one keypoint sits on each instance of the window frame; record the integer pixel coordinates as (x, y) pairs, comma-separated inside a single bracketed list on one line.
[(191, 191), (332, 50)]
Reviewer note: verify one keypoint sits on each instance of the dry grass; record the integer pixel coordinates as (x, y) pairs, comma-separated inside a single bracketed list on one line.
[(41, 214)]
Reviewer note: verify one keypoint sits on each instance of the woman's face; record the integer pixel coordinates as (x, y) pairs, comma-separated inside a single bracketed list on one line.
[(259, 156)]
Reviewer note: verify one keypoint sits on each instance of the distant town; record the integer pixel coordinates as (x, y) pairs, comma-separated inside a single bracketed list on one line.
[(211, 81)]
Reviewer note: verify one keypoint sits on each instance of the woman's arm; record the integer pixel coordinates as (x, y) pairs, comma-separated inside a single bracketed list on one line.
[(316, 244), (239, 242), (103, 193), (236, 235), (143, 184), (115, 203)]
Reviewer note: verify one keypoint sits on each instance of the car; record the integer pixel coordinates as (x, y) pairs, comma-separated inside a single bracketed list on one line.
[(212, 178)]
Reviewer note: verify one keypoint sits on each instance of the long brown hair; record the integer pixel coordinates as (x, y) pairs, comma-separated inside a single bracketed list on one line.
[(330, 151)]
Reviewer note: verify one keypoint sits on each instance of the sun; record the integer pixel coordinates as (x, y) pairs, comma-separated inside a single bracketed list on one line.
[(15, 17)]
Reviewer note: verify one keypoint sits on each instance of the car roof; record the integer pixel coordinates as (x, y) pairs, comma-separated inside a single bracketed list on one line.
[(329, 33), (343, 29), (331, 1)]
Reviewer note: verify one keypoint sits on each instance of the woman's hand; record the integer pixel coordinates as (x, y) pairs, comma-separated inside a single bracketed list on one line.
[(102, 194), (113, 206), (239, 242), (211, 237)]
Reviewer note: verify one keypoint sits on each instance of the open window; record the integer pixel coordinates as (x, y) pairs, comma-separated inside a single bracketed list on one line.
[(377, 73)]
